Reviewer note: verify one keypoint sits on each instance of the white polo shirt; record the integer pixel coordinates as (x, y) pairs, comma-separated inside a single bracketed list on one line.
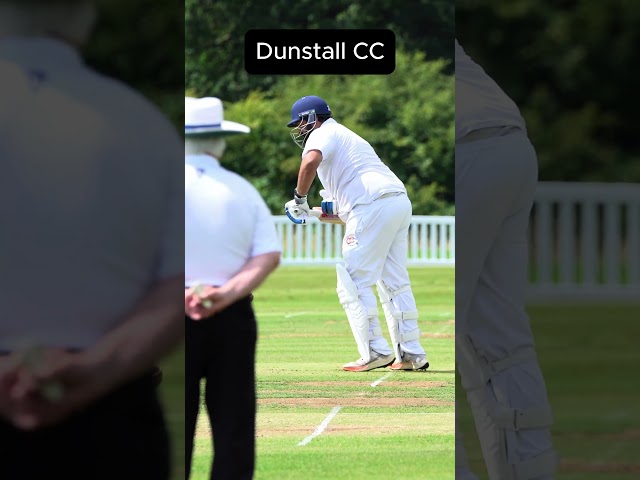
[(350, 170), (226, 222), (480, 102), (90, 197)]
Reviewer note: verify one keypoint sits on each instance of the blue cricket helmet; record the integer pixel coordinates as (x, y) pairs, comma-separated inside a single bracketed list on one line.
[(305, 106)]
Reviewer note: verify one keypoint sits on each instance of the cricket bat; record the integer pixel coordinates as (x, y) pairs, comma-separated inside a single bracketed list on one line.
[(325, 217)]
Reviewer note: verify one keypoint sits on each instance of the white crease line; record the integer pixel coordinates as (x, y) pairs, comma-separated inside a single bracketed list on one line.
[(381, 379), (321, 427), (297, 314)]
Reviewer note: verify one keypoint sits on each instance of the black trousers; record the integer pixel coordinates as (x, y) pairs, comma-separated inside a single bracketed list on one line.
[(222, 350), (123, 436)]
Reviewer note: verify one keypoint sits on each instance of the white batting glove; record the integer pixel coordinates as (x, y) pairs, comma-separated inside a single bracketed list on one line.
[(297, 212)]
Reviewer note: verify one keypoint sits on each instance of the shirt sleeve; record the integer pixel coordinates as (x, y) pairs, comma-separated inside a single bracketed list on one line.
[(265, 235), (319, 140)]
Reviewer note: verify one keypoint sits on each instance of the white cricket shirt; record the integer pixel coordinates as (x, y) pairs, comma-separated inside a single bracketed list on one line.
[(480, 102), (226, 222), (350, 171), (90, 197)]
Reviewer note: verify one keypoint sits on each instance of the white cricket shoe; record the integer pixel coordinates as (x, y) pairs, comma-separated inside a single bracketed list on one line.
[(411, 361), (378, 360)]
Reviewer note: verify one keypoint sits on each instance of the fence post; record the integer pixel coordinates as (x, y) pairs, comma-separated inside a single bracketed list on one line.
[(431, 241), (592, 254)]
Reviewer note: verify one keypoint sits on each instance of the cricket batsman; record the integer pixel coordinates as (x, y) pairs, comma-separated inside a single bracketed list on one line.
[(373, 203), (496, 175)]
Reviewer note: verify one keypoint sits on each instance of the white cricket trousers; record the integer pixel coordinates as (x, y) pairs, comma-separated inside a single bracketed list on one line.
[(375, 247), (495, 185)]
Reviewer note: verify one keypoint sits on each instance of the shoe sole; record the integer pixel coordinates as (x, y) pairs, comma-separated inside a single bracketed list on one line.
[(366, 368), (409, 368)]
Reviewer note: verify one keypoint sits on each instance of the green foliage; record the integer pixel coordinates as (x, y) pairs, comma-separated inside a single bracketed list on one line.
[(572, 68), (406, 116), (215, 32), (142, 44)]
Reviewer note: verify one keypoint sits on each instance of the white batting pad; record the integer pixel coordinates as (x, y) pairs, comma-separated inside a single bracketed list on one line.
[(403, 326), (357, 313)]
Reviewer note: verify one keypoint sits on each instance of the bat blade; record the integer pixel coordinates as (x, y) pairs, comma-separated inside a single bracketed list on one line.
[(325, 217)]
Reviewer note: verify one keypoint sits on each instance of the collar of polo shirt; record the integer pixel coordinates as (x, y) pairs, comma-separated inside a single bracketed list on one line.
[(46, 51), (202, 161)]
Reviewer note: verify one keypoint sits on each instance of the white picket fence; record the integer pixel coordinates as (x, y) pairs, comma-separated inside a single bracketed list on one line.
[(431, 241), (585, 242)]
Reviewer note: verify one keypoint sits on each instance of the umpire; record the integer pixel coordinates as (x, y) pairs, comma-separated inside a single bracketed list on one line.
[(231, 246), (91, 274)]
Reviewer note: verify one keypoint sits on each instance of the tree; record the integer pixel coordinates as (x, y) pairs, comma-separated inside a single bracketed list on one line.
[(572, 68), (152, 60), (215, 32), (407, 117)]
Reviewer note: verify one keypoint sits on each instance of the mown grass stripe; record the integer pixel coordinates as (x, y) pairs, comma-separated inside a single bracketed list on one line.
[(297, 314), (299, 380)]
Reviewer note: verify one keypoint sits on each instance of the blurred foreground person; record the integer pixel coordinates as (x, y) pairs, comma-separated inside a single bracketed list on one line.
[(496, 176), (91, 272)]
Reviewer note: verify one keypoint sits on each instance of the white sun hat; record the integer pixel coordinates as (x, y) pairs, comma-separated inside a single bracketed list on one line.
[(205, 117)]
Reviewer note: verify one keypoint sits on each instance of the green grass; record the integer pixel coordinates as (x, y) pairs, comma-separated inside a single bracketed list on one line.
[(590, 358), (404, 427), (401, 428)]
